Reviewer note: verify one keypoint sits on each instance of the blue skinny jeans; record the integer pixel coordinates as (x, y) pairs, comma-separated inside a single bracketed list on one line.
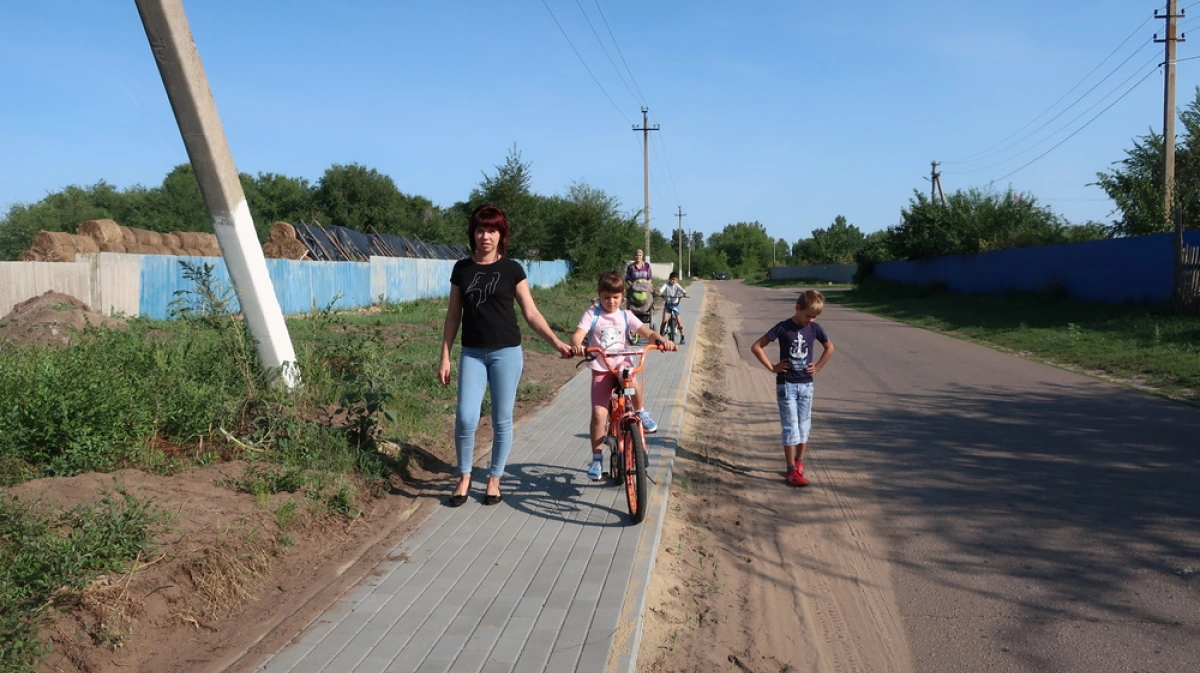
[(497, 369)]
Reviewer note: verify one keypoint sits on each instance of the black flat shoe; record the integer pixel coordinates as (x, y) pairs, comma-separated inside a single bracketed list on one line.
[(490, 499), (457, 500)]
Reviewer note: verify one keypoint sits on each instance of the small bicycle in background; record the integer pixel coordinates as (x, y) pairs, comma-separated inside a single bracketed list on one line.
[(671, 328), (625, 439)]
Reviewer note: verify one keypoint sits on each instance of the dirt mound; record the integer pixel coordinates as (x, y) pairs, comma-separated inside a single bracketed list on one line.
[(53, 318)]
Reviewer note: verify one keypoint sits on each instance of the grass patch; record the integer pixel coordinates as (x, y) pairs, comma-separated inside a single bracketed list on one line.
[(48, 558), (1150, 348), (806, 283), (164, 396)]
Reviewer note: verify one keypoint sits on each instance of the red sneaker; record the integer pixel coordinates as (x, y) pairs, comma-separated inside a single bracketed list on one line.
[(795, 476)]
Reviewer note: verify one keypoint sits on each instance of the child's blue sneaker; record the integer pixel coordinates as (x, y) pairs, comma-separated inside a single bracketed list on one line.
[(648, 424), (596, 470)]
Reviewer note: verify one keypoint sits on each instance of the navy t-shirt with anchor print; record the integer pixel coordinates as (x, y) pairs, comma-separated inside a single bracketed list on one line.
[(489, 291), (796, 344)]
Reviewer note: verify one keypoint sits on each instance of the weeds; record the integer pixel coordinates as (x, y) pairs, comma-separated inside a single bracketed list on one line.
[(48, 558), (165, 396)]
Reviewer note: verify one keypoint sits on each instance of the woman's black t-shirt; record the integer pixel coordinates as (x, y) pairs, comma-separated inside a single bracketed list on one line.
[(489, 292)]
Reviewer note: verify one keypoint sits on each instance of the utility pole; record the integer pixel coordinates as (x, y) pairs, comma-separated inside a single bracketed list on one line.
[(935, 183), (646, 129), (681, 214), (191, 99), (1170, 40), (691, 244)]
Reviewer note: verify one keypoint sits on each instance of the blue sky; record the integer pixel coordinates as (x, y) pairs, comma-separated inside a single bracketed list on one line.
[(788, 113)]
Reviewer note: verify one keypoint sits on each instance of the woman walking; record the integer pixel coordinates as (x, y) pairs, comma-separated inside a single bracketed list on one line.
[(483, 289)]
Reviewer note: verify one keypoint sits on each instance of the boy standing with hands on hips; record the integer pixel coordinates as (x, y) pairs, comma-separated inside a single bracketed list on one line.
[(798, 335)]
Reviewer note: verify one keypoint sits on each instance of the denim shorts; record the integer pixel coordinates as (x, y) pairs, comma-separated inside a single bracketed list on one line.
[(795, 411)]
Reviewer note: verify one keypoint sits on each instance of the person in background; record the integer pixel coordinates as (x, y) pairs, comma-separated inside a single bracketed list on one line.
[(672, 292)]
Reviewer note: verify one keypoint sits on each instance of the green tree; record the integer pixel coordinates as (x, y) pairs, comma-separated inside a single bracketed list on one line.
[(1136, 187), (279, 198), (510, 189), (1136, 182), (61, 211), (596, 236), (835, 245), (974, 221), (363, 199), (746, 247)]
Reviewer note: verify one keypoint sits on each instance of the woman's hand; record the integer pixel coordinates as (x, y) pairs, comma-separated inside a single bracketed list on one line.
[(444, 371), (781, 366), (564, 350)]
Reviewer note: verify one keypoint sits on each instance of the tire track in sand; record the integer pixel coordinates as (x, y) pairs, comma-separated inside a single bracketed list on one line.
[(757, 576)]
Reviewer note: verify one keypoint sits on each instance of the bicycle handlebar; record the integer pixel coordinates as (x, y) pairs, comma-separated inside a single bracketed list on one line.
[(641, 359)]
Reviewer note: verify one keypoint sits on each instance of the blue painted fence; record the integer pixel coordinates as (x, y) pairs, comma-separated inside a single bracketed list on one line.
[(306, 286), (1138, 269)]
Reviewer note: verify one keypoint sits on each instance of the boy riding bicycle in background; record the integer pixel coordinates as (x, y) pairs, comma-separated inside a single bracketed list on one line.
[(606, 326), (672, 292)]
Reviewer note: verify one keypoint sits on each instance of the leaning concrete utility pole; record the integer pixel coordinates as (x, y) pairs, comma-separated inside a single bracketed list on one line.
[(646, 129), (196, 114)]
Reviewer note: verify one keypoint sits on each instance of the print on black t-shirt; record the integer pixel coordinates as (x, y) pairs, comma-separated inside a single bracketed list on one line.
[(482, 286)]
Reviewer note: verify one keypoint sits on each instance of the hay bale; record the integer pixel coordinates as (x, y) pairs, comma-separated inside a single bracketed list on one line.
[(102, 231), (285, 249), (61, 242), (282, 231), (146, 237), (198, 240), (171, 240), (128, 236), (112, 247)]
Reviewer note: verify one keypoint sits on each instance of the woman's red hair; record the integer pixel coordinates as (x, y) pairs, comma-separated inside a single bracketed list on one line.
[(489, 217)]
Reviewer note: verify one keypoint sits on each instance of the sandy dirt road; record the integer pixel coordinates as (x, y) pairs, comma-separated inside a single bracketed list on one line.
[(969, 511)]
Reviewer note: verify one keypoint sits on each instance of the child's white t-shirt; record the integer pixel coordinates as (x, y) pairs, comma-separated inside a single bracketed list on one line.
[(609, 334)]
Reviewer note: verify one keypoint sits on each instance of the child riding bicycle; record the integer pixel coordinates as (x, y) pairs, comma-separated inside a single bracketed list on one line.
[(672, 292), (606, 326)]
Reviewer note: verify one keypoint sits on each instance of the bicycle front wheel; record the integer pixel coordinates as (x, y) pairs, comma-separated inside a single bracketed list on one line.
[(636, 479)]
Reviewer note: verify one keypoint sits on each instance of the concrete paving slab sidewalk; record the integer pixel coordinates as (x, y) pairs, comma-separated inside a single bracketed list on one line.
[(552, 579)]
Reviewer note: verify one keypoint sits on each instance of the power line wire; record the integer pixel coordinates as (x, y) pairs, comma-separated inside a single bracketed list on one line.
[(606, 54), (1068, 93), (1061, 129), (1098, 115), (641, 98), (1001, 150), (585, 65)]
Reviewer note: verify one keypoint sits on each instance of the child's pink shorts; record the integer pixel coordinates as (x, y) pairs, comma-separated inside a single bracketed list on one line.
[(602, 387)]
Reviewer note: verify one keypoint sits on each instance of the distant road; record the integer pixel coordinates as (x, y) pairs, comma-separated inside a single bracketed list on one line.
[(1034, 519)]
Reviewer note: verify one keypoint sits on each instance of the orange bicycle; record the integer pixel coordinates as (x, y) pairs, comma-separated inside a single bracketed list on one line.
[(625, 439)]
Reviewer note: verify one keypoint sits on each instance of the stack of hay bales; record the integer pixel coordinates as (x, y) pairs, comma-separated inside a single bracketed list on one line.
[(108, 236), (57, 246), (112, 237), (282, 243)]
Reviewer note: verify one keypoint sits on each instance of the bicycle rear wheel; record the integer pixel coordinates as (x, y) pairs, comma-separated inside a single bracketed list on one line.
[(636, 479)]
